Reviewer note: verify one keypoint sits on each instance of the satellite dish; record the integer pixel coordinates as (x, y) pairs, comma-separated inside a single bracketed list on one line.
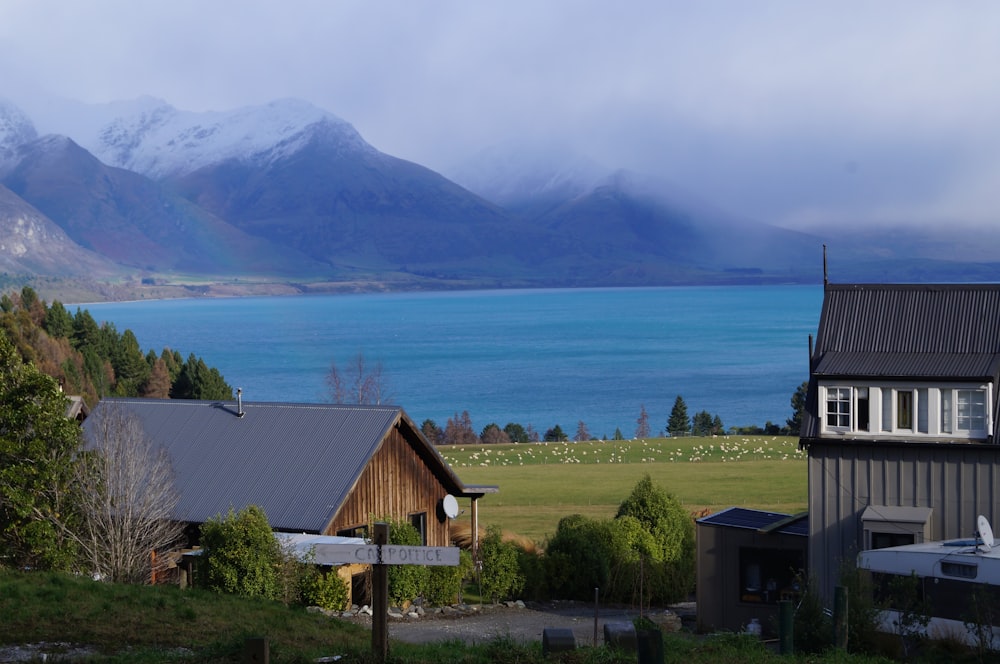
[(450, 506), (985, 532)]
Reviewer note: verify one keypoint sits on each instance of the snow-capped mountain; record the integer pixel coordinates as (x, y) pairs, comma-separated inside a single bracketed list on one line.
[(519, 175), (133, 220), (155, 139), (290, 191), (16, 129)]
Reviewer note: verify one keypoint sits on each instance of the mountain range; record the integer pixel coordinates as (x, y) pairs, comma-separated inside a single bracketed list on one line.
[(145, 196)]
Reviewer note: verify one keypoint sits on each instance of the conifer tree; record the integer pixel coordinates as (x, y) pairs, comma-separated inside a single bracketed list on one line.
[(678, 424)]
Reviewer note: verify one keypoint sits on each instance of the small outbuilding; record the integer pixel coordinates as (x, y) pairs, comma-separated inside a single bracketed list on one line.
[(748, 561)]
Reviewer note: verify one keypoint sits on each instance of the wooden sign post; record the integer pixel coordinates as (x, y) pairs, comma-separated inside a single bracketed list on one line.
[(380, 596), (380, 554)]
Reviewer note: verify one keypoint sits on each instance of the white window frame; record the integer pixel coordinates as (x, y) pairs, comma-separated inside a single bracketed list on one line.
[(843, 396), (958, 415), (931, 417)]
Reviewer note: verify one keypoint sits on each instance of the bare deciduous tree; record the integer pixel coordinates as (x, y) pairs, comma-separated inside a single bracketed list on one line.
[(127, 500), (642, 428), (459, 431), (358, 382)]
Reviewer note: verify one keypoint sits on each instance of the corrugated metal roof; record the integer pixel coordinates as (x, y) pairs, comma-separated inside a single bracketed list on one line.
[(741, 517), (905, 331), (907, 365), (297, 462), (949, 319)]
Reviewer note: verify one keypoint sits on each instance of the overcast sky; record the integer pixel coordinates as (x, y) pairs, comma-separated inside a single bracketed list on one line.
[(789, 112)]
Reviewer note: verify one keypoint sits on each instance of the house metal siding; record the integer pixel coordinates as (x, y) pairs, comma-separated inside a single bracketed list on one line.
[(298, 462), (958, 481)]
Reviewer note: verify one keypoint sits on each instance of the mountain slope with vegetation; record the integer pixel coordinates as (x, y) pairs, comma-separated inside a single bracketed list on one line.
[(92, 360)]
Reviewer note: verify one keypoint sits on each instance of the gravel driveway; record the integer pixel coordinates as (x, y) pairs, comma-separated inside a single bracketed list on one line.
[(522, 624)]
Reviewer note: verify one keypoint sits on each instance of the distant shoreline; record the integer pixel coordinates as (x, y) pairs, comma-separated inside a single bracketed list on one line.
[(82, 292)]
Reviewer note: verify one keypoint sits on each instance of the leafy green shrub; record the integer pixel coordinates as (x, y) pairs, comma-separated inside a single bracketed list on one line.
[(406, 582), (242, 555), (444, 583), (812, 629), (672, 529), (577, 557), (863, 635), (534, 569), (327, 591), (501, 575)]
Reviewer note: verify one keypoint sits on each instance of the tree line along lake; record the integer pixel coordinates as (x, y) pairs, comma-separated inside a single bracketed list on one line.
[(534, 357)]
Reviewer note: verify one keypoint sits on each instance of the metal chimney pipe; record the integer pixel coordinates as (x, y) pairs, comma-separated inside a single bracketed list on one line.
[(239, 402)]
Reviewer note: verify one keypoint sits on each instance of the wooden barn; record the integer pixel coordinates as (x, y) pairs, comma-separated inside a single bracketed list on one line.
[(313, 468)]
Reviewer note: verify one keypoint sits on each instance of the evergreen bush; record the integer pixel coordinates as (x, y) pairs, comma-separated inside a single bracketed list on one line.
[(242, 555), (325, 590), (406, 582), (501, 576), (444, 583), (577, 557)]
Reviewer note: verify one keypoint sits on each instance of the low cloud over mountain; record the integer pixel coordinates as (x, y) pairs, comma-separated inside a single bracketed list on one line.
[(289, 191)]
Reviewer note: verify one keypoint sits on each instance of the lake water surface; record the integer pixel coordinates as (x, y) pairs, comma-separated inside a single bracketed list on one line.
[(538, 357)]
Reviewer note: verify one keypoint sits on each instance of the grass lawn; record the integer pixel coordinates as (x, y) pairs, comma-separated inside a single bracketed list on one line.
[(543, 482), (160, 624)]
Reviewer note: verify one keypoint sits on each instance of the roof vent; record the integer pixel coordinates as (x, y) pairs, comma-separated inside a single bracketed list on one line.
[(239, 402)]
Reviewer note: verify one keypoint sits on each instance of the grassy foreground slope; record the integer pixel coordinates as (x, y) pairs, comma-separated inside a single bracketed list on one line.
[(542, 482), (79, 620)]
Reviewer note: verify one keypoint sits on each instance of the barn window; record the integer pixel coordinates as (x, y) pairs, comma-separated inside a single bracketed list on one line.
[(419, 521), (354, 531)]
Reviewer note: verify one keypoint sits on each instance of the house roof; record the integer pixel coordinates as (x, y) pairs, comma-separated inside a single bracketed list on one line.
[(761, 521), (941, 332), (909, 330), (298, 462)]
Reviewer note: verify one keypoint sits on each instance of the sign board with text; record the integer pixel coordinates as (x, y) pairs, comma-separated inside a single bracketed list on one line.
[(392, 554)]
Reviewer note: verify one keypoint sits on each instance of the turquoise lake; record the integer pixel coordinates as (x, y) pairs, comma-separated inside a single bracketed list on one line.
[(538, 357)]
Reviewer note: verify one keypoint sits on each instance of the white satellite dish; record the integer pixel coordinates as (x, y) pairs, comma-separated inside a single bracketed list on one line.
[(450, 506), (985, 532)]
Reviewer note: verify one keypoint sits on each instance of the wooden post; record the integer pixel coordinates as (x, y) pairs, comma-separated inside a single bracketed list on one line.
[(475, 530), (380, 597), (786, 622), (840, 610), (597, 610)]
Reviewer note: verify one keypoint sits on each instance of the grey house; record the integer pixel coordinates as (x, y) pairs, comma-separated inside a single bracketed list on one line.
[(900, 422)]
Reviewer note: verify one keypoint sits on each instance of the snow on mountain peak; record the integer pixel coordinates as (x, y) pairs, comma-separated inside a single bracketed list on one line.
[(15, 130), (157, 140), (514, 171)]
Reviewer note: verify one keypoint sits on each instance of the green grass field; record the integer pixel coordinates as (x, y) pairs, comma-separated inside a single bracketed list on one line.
[(542, 482)]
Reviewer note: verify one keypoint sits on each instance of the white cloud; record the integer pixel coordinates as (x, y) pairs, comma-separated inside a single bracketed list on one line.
[(776, 109)]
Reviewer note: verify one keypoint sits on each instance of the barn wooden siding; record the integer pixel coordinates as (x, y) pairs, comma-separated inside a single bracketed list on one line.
[(957, 481), (396, 483)]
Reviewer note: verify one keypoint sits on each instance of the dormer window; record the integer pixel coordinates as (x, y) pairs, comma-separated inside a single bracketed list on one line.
[(963, 411), (955, 411), (838, 407)]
